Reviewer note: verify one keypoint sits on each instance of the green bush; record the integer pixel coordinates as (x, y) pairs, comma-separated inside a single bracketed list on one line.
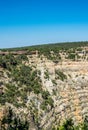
[(47, 100), (60, 75), (71, 56), (13, 122), (46, 75), (8, 61)]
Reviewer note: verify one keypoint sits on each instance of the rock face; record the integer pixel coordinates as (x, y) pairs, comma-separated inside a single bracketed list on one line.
[(70, 96), (63, 92)]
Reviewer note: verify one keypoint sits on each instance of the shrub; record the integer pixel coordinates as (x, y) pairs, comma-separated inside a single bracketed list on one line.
[(47, 100), (60, 75), (13, 122), (46, 75), (71, 56)]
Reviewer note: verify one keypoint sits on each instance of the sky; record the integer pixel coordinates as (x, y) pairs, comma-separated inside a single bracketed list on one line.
[(32, 22)]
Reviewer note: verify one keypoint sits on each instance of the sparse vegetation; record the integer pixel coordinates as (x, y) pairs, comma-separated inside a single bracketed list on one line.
[(32, 86), (11, 122), (69, 125)]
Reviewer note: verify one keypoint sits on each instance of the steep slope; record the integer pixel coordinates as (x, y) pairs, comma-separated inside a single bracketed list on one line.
[(43, 91)]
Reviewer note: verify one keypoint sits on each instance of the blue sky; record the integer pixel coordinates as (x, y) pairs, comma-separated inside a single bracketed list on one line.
[(31, 22)]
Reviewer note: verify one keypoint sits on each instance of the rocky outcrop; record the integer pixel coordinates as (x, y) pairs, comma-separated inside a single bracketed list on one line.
[(66, 93)]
